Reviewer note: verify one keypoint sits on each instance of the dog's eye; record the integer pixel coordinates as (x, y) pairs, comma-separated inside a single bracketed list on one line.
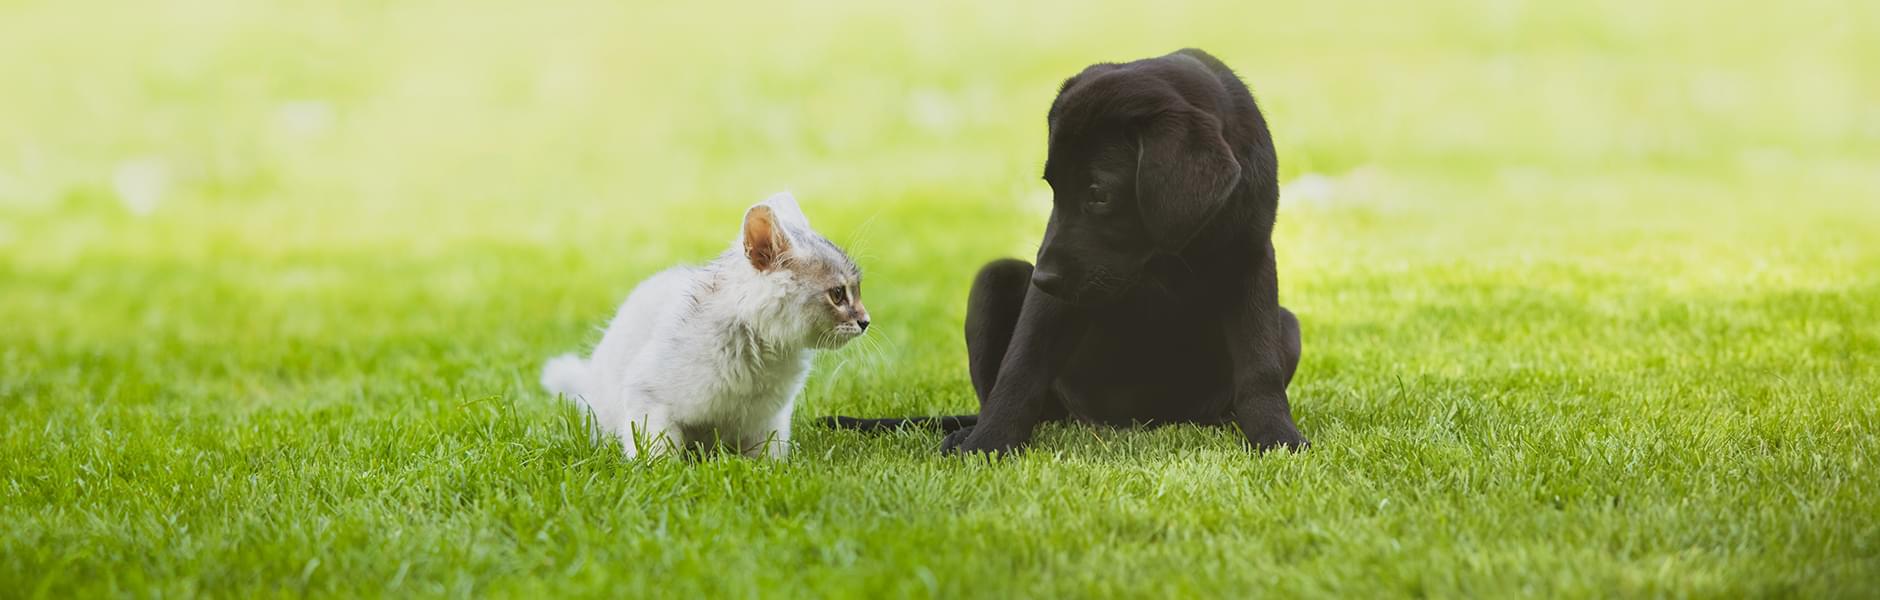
[(838, 296), (1098, 200)]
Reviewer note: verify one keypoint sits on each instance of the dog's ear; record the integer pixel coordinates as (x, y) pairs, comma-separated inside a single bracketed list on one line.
[(764, 239), (1184, 174)]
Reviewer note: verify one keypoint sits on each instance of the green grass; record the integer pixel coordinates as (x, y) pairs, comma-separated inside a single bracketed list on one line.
[(1592, 308)]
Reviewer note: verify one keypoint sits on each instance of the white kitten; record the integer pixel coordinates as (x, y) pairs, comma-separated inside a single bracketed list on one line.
[(717, 354)]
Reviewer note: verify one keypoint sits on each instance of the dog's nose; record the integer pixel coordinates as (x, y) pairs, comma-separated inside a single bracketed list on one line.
[(1051, 283), (862, 324)]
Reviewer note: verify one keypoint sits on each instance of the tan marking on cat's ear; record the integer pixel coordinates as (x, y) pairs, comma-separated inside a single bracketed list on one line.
[(764, 242)]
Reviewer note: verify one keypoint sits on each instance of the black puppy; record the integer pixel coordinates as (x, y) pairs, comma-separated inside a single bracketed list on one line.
[(1155, 298)]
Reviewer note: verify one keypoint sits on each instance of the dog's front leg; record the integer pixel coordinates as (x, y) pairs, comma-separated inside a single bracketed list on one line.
[(1260, 346), (1041, 341)]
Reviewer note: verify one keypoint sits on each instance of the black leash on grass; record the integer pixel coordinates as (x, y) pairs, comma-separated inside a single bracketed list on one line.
[(947, 424)]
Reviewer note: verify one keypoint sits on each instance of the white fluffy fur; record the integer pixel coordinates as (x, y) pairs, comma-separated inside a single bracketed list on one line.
[(713, 354)]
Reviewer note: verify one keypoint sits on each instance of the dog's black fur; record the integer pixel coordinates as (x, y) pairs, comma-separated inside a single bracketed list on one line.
[(1155, 298)]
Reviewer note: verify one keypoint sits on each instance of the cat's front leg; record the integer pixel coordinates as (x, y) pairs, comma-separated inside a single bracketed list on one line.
[(651, 433), (773, 441)]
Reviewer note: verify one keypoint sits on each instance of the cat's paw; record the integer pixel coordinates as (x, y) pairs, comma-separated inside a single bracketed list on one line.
[(980, 441)]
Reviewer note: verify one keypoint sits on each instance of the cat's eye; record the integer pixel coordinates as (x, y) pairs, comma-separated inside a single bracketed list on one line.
[(838, 296)]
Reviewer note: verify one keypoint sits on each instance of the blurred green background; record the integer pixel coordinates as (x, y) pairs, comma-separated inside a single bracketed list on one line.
[(1589, 293)]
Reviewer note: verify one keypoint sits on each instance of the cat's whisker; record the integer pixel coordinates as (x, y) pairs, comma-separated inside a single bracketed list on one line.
[(881, 337), (874, 345), (859, 237), (861, 346), (836, 371)]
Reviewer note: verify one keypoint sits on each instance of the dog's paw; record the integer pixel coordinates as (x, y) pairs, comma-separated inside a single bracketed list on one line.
[(1294, 442), (975, 440), (1265, 446), (951, 443), (1275, 437)]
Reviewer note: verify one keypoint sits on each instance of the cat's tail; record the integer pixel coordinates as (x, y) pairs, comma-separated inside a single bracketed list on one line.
[(566, 375), (946, 424)]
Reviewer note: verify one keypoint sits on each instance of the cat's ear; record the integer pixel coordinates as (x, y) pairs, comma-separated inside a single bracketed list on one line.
[(787, 210), (764, 239)]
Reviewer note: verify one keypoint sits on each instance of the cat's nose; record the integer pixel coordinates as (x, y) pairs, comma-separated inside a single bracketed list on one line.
[(862, 324)]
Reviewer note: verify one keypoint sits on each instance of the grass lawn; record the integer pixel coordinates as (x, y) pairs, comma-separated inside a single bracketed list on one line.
[(1590, 292)]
